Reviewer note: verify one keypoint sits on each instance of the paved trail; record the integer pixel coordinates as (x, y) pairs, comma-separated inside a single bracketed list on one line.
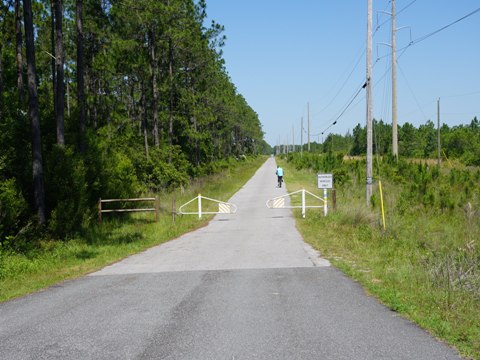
[(244, 287)]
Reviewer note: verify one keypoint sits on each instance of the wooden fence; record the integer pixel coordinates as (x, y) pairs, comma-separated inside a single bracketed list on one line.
[(155, 209)]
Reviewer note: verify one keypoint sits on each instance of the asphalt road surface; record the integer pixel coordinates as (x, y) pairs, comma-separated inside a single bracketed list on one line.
[(244, 287)]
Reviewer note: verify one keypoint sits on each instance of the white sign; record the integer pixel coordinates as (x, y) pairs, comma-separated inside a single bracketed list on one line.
[(325, 181)]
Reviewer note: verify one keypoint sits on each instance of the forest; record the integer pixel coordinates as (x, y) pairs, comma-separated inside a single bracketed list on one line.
[(110, 99), (461, 142)]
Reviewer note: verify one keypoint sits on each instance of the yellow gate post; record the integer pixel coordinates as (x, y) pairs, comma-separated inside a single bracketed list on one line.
[(381, 202)]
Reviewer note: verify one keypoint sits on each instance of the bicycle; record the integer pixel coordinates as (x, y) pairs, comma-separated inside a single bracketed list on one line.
[(280, 180)]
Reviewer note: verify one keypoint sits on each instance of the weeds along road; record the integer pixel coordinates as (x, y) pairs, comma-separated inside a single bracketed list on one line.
[(244, 287)]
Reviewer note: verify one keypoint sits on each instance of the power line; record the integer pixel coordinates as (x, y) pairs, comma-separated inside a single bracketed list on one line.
[(360, 57), (425, 37), (414, 42), (345, 82), (398, 12), (445, 27), (358, 61), (405, 7), (346, 108), (411, 91), (353, 98), (354, 68), (383, 23), (418, 40)]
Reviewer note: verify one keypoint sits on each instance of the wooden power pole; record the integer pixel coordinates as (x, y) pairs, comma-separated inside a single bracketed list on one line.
[(369, 104), (308, 114), (394, 85), (293, 138), (438, 131), (301, 135)]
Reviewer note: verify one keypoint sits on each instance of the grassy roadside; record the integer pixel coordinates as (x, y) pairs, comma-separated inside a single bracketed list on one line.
[(410, 266), (116, 238)]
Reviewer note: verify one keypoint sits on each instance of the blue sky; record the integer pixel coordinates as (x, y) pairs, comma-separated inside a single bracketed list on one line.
[(283, 54)]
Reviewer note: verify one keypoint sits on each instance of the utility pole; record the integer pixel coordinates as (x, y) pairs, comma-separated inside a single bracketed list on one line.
[(301, 135), (394, 85), (369, 104), (438, 131), (308, 113), (293, 138)]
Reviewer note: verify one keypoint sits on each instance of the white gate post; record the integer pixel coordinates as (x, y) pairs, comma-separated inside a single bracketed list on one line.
[(325, 208), (199, 206), (303, 203)]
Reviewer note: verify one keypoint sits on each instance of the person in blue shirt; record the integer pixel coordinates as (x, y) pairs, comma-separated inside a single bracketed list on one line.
[(279, 173)]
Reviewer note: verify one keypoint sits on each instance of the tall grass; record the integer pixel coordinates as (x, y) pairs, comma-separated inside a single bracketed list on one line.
[(426, 264), (47, 261)]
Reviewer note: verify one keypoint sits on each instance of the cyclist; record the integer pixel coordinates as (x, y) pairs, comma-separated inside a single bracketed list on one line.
[(279, 173)]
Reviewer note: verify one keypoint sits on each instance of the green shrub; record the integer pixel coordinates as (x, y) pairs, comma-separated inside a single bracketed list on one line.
[(12, 209), (119, 177), (445, 198), (67, 192), (341, 176), (429, 198), (165, 169)]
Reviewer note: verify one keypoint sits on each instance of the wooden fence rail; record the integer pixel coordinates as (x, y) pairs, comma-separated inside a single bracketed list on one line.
[(155, 209)]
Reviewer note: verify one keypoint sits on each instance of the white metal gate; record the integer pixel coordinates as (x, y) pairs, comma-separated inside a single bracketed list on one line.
[(279, 202), (223, 207)]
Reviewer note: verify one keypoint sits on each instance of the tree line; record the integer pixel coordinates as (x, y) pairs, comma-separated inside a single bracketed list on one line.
[(110, 98), (460, 142)]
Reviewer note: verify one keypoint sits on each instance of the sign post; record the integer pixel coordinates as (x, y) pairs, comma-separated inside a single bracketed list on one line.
[(325, 208), (325, 181)]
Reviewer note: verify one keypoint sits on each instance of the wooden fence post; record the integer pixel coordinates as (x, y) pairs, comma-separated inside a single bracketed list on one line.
[(334, 199)]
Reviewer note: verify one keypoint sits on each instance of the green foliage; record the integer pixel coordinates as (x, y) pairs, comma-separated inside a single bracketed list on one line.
[(445, 198), (459, 142), (165, 169), (67, 191), (319, 163), (118, 178), (341, 176), (13, 208)]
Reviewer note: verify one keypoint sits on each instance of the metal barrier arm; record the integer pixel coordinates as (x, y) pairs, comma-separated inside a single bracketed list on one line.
[(231, 207), (279, 203), (315, 196), (294, 206), (280, 197), (221, 202), (180, 208)]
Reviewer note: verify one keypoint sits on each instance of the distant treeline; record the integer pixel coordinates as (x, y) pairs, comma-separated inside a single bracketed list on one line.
[(460, 142), (104, 98)]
